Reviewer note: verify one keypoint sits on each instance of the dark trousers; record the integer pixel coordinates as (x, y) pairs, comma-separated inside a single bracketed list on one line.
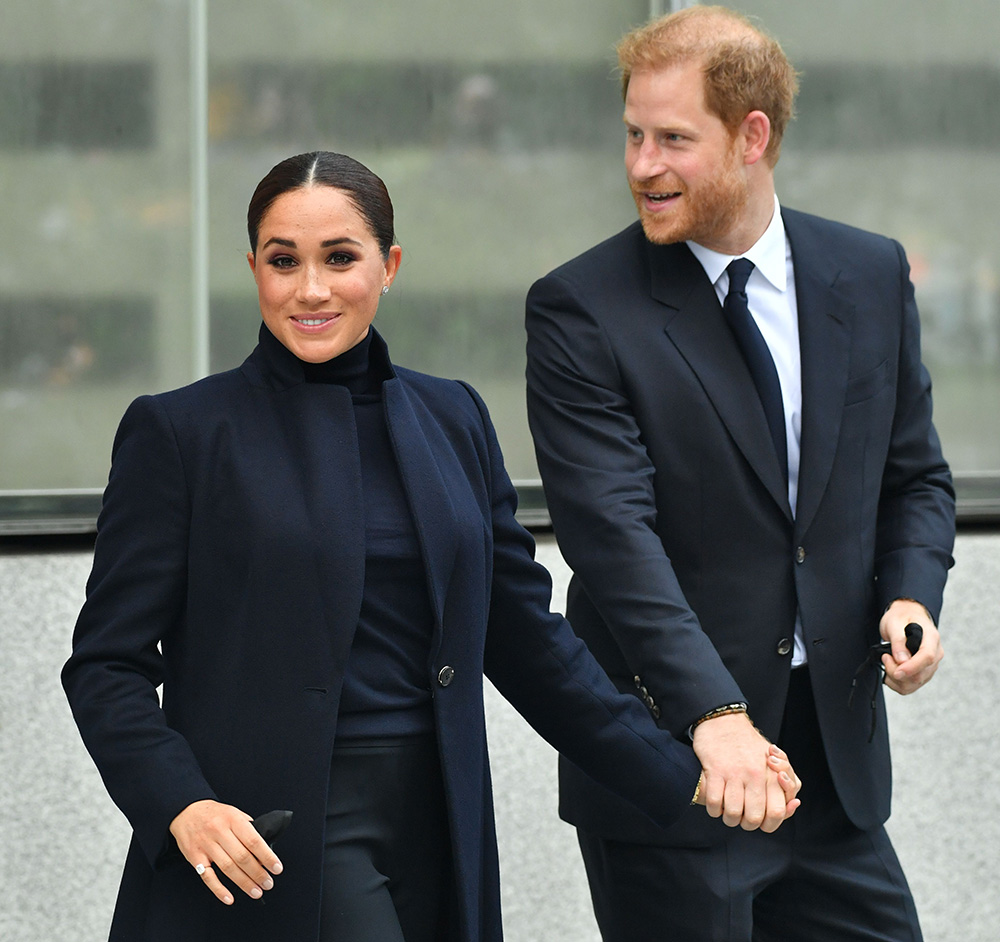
[(816, 879), (387, 868)]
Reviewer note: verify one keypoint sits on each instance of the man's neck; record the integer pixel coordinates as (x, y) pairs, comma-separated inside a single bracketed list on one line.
[(752, 222)]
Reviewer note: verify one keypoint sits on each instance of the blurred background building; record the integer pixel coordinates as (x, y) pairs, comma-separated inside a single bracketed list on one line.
[(132, 135)]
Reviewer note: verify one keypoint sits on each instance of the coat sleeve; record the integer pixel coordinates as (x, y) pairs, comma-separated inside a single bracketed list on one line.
[(598, 480), (135, 600), (548, 674), (916, 514)]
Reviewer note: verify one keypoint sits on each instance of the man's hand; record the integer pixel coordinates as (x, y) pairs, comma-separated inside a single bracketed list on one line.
[(742, 777), (904, 672), (208, 832)]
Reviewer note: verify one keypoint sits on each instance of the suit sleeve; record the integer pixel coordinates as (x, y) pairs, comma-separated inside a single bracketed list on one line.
[(135, 601), (598, 481), (916, 515), (550, 677)]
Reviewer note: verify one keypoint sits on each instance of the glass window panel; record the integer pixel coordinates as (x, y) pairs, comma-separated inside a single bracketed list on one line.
[(95, 292), (497, 129), (897, 131)]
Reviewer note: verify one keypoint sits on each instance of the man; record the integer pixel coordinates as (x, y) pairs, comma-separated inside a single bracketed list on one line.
[(742, 528)]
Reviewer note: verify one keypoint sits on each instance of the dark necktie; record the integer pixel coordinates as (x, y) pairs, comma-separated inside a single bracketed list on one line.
[(757, 355)]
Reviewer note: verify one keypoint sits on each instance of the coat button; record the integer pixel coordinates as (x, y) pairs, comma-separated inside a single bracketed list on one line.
[(637, 680), (784, 646), (656, 712), (446, 675), (800, 555)]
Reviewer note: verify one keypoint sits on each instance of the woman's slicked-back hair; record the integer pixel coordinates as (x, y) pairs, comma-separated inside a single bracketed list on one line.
[(324, 168)]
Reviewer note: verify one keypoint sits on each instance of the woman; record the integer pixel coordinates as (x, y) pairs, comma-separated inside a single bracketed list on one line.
[(316, 555)]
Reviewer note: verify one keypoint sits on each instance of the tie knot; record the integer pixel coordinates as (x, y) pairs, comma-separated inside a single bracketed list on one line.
[(739, 271)]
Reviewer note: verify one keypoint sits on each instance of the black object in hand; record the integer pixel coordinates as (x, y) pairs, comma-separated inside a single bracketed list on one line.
[(914, 636), (272, 825)]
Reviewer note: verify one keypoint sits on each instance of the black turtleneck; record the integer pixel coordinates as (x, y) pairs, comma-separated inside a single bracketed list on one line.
[(385, 689)]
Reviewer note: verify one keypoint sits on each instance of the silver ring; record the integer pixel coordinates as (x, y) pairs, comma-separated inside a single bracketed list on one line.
[(199, 869)]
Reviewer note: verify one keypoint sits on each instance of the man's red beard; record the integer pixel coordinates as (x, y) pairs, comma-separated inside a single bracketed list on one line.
[(702, 215)]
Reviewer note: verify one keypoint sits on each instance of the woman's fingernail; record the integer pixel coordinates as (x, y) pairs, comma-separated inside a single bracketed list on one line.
[(228, 900), (268, 883), (277, 868), (256, 892)]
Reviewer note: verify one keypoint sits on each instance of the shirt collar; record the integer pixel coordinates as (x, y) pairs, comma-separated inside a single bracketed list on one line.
[(767, 253)]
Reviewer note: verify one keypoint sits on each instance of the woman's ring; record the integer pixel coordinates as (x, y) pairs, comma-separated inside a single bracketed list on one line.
[(199, 869)]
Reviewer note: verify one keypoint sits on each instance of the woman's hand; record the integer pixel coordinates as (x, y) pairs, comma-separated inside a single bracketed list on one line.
[(211, 834), (790, 783)]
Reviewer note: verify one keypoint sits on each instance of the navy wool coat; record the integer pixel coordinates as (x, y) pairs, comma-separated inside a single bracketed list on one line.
[(229, 568)]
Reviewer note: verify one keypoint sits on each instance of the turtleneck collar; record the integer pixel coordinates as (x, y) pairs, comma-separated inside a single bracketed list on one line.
[(273, 364), (349, 369)]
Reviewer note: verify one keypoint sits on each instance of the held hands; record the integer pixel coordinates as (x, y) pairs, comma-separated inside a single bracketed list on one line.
[(211, 834), (745, 779), (904, 672)]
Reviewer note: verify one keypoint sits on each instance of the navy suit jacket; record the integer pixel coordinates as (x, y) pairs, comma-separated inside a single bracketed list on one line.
[(670, 507), (229, 568)]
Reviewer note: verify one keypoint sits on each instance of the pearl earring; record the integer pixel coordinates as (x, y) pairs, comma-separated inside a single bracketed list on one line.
[(385, 289)]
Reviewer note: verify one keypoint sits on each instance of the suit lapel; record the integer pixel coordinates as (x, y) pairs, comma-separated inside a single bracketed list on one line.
[(825, 316), (416, 442), (696, 327)]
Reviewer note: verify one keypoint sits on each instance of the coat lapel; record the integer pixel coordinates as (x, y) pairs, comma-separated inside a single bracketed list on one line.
[(417, 444), (696, 327), (825, 315)]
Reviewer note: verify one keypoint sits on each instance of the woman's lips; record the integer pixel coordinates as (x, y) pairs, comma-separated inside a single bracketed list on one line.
[(315, 322)]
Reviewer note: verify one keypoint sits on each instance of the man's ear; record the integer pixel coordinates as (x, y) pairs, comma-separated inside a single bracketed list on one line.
[(755, 131)]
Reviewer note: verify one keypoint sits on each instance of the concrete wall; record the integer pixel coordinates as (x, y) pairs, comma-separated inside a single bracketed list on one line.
[(62, 841)]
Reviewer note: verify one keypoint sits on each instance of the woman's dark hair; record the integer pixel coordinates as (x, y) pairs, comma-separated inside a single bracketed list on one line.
[(323, 168)]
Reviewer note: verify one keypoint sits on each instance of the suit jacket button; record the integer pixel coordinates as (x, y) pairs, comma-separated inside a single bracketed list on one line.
[(655, 711), (800, 555), (637, 680), (784, 646), (446, 675)]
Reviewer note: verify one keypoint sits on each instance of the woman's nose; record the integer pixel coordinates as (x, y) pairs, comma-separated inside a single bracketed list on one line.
[(314, 287)]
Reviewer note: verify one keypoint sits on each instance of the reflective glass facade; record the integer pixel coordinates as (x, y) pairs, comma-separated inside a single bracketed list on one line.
[(132, 135)]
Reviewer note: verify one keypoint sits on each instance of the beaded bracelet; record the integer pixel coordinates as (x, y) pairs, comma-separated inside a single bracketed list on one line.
[(725, 710)]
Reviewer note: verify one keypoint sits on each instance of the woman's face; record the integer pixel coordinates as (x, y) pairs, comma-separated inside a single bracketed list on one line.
[(319, 272)]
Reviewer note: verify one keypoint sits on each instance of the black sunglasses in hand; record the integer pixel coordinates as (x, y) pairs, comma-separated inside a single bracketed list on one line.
[(914, 635)]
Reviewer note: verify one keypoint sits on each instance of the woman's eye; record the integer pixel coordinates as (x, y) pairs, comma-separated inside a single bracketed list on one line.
[(341, 258), (281, 261)]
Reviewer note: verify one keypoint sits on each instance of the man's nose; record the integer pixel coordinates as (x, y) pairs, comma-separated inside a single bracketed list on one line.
[(648, 161)]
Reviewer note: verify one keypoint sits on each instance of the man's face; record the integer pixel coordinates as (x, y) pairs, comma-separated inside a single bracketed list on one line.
[(684, 169)]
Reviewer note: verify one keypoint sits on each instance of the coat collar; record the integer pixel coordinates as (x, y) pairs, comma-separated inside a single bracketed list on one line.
[(419, 444), (696, 326), (826, 313)]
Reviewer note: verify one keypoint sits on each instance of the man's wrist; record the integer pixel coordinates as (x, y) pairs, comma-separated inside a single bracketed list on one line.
[(727, 709)]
